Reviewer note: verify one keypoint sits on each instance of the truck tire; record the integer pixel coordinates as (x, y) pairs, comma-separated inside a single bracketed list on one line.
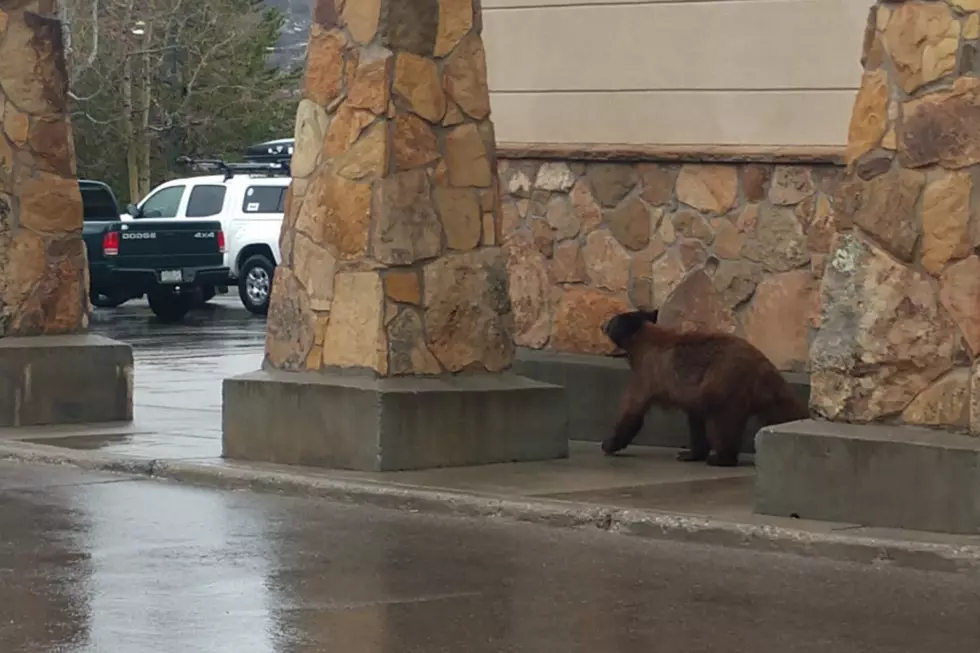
[(169, 307), (255, 283)]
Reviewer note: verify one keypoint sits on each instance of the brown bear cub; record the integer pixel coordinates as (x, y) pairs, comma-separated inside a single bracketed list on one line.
[(718, 379)]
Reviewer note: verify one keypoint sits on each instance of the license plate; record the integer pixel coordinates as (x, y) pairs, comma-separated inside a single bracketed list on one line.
[(171, 276)]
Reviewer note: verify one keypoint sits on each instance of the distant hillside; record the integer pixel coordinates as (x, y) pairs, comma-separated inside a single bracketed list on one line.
[(291, 50)]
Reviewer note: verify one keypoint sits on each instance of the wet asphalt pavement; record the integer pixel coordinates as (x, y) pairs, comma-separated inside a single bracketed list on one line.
[(95, 563), (100, 563)]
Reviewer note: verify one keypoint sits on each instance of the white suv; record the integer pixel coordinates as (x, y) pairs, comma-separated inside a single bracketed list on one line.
[(248, 200)]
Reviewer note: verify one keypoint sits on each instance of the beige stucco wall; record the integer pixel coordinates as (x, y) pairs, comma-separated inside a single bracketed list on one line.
[(674, 72)]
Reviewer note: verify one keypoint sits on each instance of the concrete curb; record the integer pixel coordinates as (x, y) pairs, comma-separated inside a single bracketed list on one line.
[(560, 514)]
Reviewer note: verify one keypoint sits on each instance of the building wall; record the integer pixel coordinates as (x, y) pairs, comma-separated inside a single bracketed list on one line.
[(669, 72)]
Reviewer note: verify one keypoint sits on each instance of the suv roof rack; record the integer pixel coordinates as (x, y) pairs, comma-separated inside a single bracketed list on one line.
[(277, 151), (269, 168)]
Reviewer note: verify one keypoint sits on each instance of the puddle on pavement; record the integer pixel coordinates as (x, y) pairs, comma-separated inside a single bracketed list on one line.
[(87, 442)]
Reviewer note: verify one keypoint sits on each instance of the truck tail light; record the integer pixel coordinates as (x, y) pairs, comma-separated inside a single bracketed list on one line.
[(110, 243), (221, 242)]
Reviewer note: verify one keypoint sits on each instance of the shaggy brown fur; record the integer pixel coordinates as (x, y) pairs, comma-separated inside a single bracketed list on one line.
[(719, 379)]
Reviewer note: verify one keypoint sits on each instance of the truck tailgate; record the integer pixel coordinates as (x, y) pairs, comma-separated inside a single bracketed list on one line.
[(175, 243)]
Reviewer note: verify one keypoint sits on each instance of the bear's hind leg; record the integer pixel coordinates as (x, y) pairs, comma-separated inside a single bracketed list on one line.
[(699, 440), (725, 435)]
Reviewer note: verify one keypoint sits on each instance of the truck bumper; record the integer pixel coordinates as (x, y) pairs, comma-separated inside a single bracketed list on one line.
[(178, 280)]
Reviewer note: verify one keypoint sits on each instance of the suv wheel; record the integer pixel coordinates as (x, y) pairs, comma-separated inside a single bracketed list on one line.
[(255, 283), (169, 307)]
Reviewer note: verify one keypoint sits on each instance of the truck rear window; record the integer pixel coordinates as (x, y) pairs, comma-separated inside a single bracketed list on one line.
[(264, 199), (205, 201), (98, 205)]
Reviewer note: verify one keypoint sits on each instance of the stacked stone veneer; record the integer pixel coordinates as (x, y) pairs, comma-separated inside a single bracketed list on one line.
[(900, 299), (390, 256), (738, 247), (43, 270)]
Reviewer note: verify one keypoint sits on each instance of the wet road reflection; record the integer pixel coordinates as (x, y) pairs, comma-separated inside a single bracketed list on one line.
[(117, 565)]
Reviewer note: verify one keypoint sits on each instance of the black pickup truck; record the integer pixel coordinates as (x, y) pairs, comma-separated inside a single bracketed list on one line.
[(172, 262)]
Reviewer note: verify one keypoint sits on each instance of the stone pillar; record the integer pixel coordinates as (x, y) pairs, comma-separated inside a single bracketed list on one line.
[(391, 278), (899, 340), (50, 371)]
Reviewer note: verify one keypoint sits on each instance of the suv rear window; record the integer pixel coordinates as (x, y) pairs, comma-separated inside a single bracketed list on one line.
[(205, 201), (264, 199)]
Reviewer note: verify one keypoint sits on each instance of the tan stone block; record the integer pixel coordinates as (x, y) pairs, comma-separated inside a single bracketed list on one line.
[(709, 188), (611, 182), (822, 228), (568, 265), (369, 89), (4, 19), (403, 286), (461, 217), (454, 115), (543, 235), (945, 403), (31, 78), (414, 142), (869, 119), (630, 224), (882, 16), (586, 208), (790, 185), (922, 40), (320, 329), (529, 289), (777, 320), (346, 127), (939, 127), (693, 253), (15, 124), (754, 180), (324, 65), (455, 22), (51, 139), (579, 317), (24, 267), (561, 215), (466, 157), (6, 164), (56, 303), (966, 5), (554, 176), (314, 267), (510, 218), (362, 17), (290, 327), (408, 352), (959, 292), (884, 337), (367, 157), (971, 28), (490, 236), (406, 226), (666, 232), (974, 401), (694, 305), (945, 221), (779, 243), (658, 182), (417, 81), (337, 212), (748, 219), (468, 315), (728, 239), (606, 261), (311, 126), (354, 336), (887, 208), (689, 224), (50, 204), (465, 77)]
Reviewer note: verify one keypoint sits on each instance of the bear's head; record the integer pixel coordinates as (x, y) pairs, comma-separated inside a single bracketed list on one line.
[(622, 327)]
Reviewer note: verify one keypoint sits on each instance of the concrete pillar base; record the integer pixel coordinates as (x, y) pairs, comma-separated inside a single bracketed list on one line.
[(883, 476), (70, 379), (347, 421)]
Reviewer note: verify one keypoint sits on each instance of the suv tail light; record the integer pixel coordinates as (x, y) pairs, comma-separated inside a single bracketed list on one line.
[(110, 243), (221, 242)]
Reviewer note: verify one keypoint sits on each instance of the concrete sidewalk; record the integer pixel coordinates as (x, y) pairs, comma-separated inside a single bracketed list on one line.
[(176, 435)]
